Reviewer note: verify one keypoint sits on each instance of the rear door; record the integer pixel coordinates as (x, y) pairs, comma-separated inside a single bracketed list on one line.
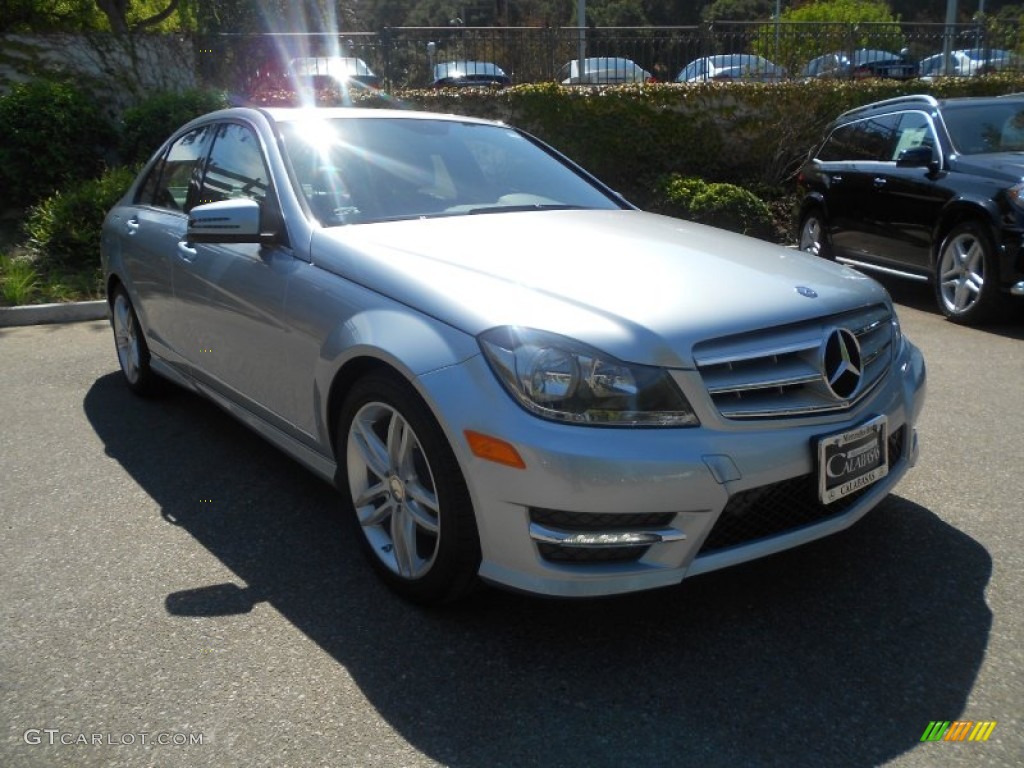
[(152, 228), (849, 163)]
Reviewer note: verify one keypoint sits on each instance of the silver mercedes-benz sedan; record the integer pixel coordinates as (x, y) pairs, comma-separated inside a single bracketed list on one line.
[(510, 373)]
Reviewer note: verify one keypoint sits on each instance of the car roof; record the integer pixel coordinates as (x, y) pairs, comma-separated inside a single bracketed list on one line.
[(293, 114), (923, 101)]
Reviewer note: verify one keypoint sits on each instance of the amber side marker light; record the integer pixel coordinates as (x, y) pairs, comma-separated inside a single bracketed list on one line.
[(493, 449)]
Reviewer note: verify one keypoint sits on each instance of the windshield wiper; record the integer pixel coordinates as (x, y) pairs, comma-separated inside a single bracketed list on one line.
[(533, 207)]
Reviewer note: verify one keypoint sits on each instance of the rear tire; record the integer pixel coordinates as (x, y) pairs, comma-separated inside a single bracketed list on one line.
[(814, 234), (401, 481), (130, 342)]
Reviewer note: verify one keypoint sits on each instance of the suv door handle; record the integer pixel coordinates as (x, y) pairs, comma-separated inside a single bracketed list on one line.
[(880, 181)]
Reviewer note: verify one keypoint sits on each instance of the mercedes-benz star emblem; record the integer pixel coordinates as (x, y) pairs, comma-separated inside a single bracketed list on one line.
[(841, 363)]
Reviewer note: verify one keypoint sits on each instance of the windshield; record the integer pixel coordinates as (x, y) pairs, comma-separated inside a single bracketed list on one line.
[(981, 128), (361, 170)]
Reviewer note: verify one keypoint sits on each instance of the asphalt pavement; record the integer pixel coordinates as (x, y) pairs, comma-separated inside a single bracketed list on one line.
[(176, 592)]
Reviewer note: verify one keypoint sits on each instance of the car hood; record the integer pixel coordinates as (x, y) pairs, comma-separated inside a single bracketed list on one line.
[(1007, 166), (640, 286)]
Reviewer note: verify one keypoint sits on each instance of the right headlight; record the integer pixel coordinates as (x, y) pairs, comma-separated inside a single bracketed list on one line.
[(565, 380)]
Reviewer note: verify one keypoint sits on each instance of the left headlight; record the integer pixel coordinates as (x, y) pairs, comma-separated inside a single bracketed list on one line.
[(561, 379)]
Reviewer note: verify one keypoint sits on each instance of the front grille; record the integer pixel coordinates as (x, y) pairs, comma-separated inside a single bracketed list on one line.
[(782, 507), (595, 522), (776, 372)]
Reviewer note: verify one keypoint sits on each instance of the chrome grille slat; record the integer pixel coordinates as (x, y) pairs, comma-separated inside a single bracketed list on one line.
[(775, 372)]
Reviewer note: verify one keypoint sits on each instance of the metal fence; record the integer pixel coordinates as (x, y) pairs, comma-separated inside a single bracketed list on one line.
[(403, 56)]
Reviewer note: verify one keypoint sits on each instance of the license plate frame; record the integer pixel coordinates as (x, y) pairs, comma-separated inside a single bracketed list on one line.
[(853, 459)]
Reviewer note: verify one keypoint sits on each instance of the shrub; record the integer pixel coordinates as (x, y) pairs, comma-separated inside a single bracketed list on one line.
[(18, 280), (64, 229), (719, 205), (146, 126), (53, 133)]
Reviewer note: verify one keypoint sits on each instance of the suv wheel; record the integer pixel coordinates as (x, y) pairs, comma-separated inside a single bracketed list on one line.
[(966, 277), (814, 235)]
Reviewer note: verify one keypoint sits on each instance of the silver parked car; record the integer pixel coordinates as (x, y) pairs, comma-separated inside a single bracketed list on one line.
[(510, 373), (602, 70), (728, 67)]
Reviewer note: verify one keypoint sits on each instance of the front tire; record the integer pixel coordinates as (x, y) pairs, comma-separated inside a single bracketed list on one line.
[(966, 279), (814, 234), (130, 342), (402, 482)]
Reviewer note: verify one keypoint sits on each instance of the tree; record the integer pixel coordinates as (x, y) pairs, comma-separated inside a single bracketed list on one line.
[(738, 10), (841, 25), (118, 11)]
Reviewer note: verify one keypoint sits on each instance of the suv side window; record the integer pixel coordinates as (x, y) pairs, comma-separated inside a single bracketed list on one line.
[(871, 139), (235, 168), (915, 130), (173, 177)]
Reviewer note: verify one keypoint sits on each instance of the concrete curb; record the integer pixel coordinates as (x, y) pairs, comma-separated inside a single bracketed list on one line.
[(39, 314)]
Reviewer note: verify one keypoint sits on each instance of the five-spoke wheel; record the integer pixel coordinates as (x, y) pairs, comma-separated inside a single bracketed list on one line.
[(132, 351), (407, 492), (966, 280), (813, 235)]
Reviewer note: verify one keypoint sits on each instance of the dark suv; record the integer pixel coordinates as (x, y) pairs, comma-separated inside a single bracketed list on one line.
[(926, 189)]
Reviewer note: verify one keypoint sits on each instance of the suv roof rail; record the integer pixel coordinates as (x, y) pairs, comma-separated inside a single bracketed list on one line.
[(920, 98)]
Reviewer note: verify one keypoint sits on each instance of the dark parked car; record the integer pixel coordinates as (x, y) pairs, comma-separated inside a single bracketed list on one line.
[(462, 74), (863, 62), (926, 189)]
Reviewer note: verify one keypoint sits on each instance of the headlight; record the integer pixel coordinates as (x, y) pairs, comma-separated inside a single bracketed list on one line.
[(564, 380), (1016, 195)]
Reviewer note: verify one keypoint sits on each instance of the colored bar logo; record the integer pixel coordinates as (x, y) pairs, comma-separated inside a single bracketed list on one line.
[(958, 730)]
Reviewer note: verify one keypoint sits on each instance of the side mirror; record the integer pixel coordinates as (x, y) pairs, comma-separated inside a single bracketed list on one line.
[(227, 221), (916, 157)]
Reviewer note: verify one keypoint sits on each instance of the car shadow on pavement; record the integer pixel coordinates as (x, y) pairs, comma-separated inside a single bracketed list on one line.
[(838, 653)]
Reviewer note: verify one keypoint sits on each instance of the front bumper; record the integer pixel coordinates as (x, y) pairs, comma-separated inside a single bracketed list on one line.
[(600, 511)]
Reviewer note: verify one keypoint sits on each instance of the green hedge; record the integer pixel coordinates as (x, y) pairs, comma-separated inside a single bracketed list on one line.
[(64, 229), (53, 133)]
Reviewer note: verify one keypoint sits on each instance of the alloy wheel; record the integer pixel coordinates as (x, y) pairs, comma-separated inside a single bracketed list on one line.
[(393, 490)]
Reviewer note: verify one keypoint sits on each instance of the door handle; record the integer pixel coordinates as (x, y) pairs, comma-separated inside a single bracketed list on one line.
[(185, 251), (879, 182), (837, 179), (131, 225)]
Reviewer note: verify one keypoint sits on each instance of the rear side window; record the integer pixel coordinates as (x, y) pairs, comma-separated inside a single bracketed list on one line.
[(171, 177), (871, 139)]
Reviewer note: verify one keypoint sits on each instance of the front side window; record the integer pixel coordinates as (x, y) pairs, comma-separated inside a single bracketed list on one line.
[(235, 168), (915, 130), (174, 175)]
